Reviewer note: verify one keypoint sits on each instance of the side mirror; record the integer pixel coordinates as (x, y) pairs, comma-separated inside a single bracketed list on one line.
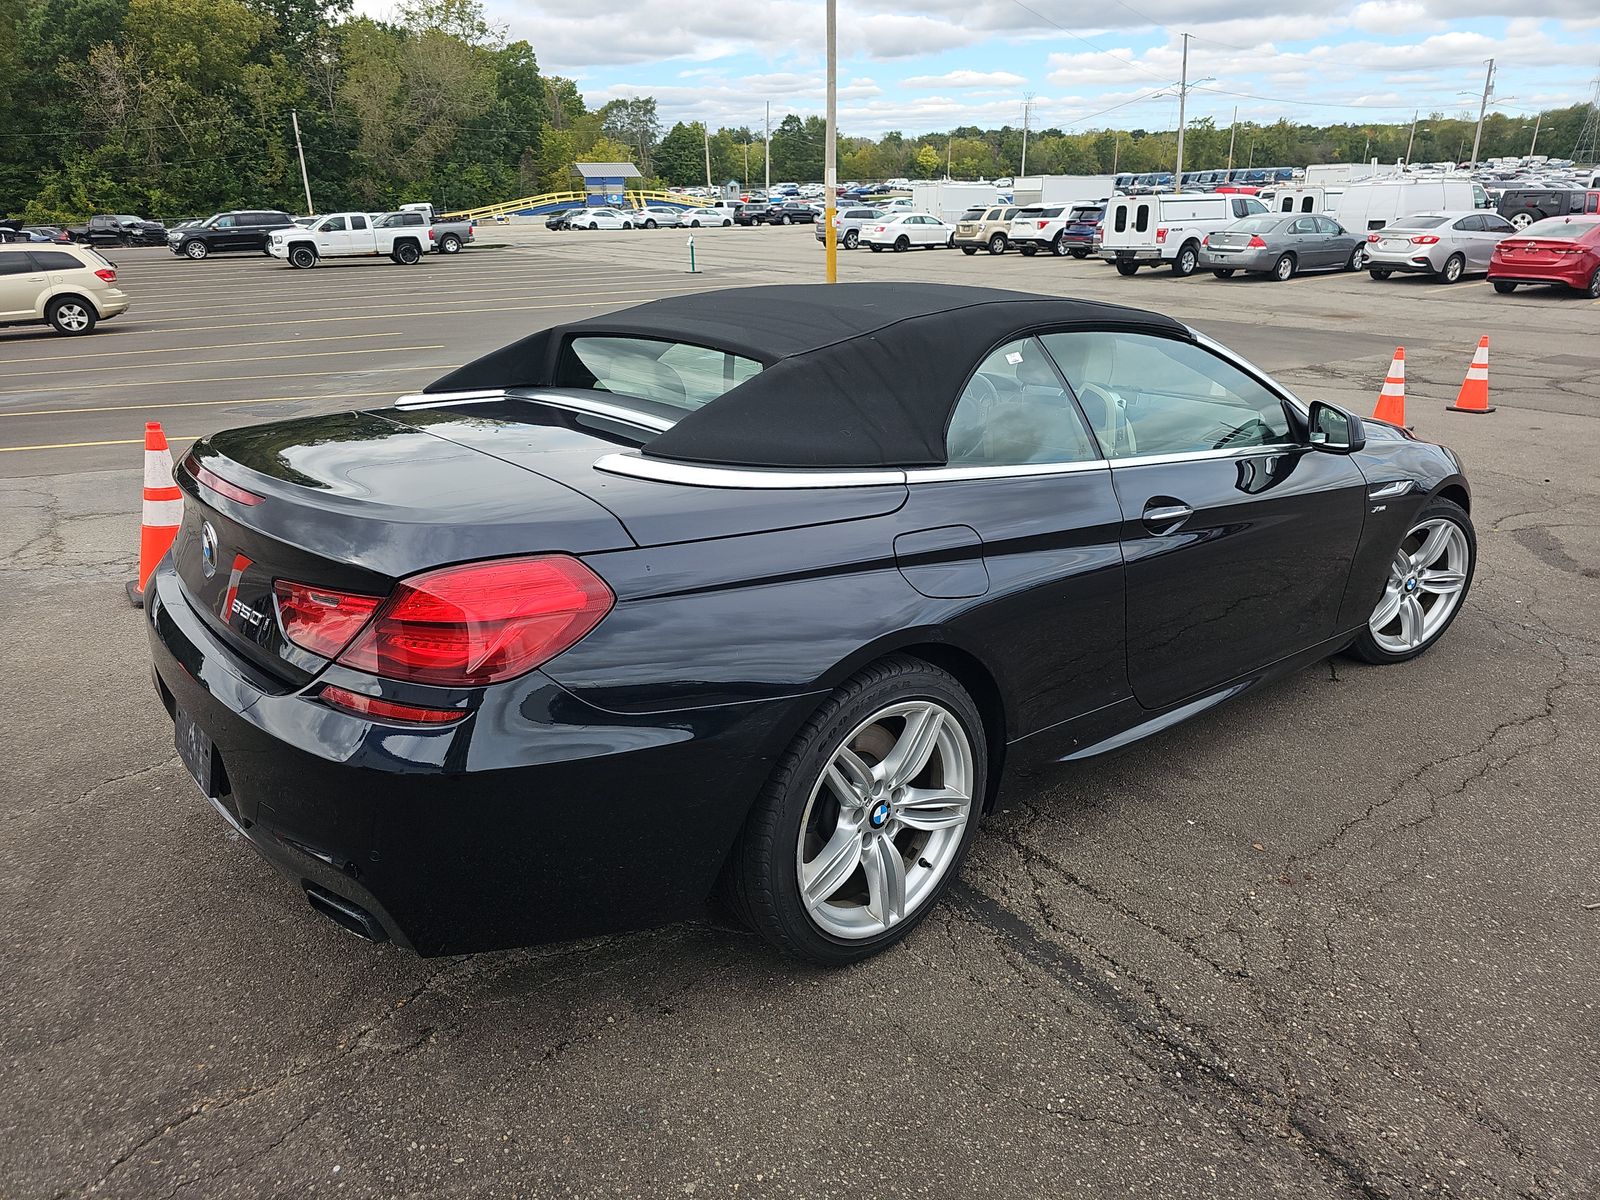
[(1335, 431)]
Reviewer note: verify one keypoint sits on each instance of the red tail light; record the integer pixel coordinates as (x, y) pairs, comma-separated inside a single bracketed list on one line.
[(478, 624), (1256, 242), (1206, 241), (107, 274), (1372, 237), (1161, 234), (387, 710), (430, 235), (1426, 239), (218, 484), (1042, 224), (321, 620)]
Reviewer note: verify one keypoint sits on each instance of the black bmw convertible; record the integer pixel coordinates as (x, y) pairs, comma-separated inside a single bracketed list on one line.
[(758, 592)]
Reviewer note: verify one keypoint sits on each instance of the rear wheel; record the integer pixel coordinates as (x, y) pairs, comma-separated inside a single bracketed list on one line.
[(1379, 272), (874, 247), (852, 239), (1428, 579), (902, 242), (303, 257), (1593, 290), (783, 220), (71, 315), (1028, 251), (1453, 268), (195, 249), (1504, 286), (867, 817), (997, 244), (1188, 259), (1357, 259), (1058, 246), (969, 249), (1080, 252), (1127, 268), (1283, 269), (650, 223), (1223, 272), (450, 244)]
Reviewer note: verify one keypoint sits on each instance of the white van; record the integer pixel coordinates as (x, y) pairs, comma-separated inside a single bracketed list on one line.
[(1301, 199), (1373, 203), (1145, 231)]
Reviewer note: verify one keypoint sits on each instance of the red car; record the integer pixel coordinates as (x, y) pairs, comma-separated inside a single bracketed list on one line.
[(1555, 250)]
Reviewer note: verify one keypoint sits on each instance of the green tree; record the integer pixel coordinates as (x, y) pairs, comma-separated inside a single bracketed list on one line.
[(928, 162)]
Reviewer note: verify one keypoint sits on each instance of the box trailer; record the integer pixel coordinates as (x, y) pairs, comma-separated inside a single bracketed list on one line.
[(948, 199), (1033, 190)]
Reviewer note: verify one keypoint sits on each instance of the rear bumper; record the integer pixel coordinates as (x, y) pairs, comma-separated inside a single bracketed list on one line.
[(537, 818), (1243, 260), (1125, 255), (1407, 264), (1520, 274)]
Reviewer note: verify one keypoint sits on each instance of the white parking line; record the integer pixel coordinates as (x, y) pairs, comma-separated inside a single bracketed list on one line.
[(204, 362), (336, 337), (102, 408), (91, 387)]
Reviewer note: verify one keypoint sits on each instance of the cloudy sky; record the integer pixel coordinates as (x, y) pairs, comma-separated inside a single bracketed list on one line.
[(950, 62)]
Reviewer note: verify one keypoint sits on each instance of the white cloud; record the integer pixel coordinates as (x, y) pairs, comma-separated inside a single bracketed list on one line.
[(965, 79)]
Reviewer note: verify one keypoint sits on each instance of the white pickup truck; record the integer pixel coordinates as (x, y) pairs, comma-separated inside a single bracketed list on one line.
[(349, 235)]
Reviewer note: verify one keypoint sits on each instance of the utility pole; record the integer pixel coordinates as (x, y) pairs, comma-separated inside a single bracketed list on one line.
[(747, 161), (311, 209), (1116, 149), (830, 152), (1415, 113), (1483, 107), (1536, 122), (1233, 132), (1183, 95), (948, 138), (1027, 110), (766, 146), (705, 132)]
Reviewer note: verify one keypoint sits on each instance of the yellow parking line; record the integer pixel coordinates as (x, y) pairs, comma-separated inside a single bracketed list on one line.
[(138, 441), (337, 337), (89, 387), (202, 362), (60, 412)]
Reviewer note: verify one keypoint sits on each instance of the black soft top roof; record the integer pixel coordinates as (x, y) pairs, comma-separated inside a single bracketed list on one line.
[(855, 375)]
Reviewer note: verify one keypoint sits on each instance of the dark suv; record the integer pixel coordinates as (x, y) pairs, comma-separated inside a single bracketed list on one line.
[(753, 213), (120, 229), (1083, 224), (1523, 206), (242, 229), (791, 212)]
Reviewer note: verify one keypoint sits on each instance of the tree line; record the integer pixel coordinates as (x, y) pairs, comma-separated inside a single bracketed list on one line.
[(176, 108)]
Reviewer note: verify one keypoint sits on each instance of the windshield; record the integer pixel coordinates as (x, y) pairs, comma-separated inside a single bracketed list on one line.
[(672, 373)]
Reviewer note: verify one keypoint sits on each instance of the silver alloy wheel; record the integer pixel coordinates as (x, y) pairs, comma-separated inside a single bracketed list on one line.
[(1424, 587), (1522, 220), (1453, 267), (72, 316), (886, 820), (195, 250), (1358, 258)]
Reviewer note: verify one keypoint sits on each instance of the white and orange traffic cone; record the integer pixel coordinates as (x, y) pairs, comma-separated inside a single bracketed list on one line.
[(1474, 394), (163, 509), (1392, 399)]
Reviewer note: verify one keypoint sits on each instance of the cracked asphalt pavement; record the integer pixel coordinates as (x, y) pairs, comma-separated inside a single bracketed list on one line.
[(1335, 939)]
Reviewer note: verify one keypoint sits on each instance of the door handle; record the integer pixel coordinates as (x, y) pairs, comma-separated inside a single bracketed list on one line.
[(1165, 518)]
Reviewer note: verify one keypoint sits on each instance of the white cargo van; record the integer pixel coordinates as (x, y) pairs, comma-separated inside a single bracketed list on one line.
[(1301, 199), (1145, 231), (1374, 203)]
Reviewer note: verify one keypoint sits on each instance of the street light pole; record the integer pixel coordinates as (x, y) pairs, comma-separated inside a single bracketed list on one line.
[(1415, 113), (1183, 95), (1536, 123), (311, 209), (830, 166), (766, 146), (1233, 132), (1483, 107)]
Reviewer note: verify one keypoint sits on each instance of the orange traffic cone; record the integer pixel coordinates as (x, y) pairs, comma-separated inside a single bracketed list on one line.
[(163, 509), (1392, 400), (1474, 394)]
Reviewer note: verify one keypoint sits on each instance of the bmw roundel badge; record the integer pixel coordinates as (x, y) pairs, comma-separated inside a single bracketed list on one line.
[(208, 550)]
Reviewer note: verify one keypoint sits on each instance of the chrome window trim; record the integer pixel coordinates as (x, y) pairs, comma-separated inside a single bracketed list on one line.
[(1249, 368), (636, 466), (1226, 452), (1003, 471), (593, 408)]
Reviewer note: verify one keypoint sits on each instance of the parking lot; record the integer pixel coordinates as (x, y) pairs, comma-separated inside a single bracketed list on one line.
[(1334, 939)]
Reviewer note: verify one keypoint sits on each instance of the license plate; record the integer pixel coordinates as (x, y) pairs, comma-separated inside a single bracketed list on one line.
[(1392, 244), (194, 748)]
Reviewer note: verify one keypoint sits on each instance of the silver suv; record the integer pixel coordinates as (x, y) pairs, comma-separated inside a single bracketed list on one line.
[(847, 223)]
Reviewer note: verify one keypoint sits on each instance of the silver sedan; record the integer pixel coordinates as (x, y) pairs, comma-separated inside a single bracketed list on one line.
[(1446, 245), (1282, 245)]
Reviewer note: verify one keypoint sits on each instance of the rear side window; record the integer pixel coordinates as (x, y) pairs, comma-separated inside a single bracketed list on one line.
[(674, 373), (1141, 217), (358, 222), (1153, 395), (1121, 222), (55, 260), (1014, 411), (15, 263)]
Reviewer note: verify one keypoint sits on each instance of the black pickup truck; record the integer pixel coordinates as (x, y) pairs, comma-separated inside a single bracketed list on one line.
[(108, 229)]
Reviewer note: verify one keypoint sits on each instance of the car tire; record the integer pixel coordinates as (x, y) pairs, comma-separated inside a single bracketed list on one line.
[(1379, 272), (969, 250), (71, 315), (450, 243), (1080, 252), (1187, 261), (1416, 622), (650, 223), (874, 247), (627, 224), (997, 244), (1223, 272), (1127, 268), (1058, 246), (783, 220), (1454, 268), (303, 257), (727, 223), (1593, 290), (593, 225), (889, 877), (1283, 270), (902, 243), (407, 254), (195, 249), (852, 239), (1522, 219), (1504, 286), (1028, 251), (1357, 259)]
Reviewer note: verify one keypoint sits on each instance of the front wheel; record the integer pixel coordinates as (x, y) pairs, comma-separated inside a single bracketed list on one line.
[(195, 250), (852, 239), (867, 817), (450, 244), (406, 253), (1428, 579), (1504, 287), (303, 257), (71, 315)]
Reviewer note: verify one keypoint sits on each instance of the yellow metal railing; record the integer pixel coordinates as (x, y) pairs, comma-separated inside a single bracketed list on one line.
[(633, 198)]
